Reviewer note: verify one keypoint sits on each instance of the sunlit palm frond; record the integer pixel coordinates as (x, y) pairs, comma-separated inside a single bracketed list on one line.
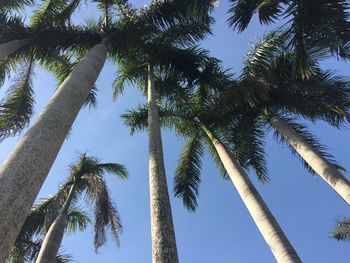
[(342, 230)]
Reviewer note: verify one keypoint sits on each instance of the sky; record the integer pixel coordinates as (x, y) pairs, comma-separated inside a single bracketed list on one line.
[(221, 230)]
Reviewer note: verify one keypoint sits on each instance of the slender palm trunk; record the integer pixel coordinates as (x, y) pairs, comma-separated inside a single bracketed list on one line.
[(8, 48), (321, 166), (52, 241), (265, 221), (26, 168), (163, 235), (54, 236)]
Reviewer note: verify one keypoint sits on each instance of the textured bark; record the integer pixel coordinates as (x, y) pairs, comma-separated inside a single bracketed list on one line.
[(8, 48), (163, 235), (52, 241), (26, 168), (321, 166), (265, 221)]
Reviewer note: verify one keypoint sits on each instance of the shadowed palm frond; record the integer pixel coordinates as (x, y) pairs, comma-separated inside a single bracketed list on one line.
[(105, 212), (246, 136), (8, 5), (17, 108), (187, 176)]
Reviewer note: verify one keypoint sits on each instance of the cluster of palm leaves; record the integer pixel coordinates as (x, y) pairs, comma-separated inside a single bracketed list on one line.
[(155, 48)]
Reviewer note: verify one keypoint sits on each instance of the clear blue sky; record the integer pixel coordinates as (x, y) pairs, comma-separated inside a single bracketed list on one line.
[(221, 230)]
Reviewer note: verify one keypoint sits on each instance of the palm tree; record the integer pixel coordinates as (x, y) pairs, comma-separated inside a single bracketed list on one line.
[(190, 114), (161, 54), (342, 230), (86, 176), (29, 241), (36, 152), (323, 96), (312, 28)]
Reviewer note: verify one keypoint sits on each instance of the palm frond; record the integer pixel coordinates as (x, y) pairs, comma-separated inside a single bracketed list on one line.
[(77, 219), (105, 212), (17, 108), (8, 5), (187, 176), (246, 136)]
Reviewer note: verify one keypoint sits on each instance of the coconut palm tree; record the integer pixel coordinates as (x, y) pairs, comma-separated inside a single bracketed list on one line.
[(36, 152), (312, 27), (191, 116)]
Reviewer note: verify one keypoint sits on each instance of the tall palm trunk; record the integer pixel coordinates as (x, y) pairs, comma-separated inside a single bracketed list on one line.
[(54, 236), (265, 221), (53, 240), (8, 48), (26, 168), (323, 168), (163, 235)]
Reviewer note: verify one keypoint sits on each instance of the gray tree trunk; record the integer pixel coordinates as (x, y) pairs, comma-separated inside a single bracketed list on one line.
[(321, 166), (52, 240), (163, 235), (8, 48), (26, 168), (264, 219)]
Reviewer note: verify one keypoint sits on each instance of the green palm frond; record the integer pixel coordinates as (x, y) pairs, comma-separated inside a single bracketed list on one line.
[(136, 119), (8, 5), (246, 136), (105, 211), (28, 250), (91, 100), (47, 12), (187, 176), (311, 140), (17, 108), (77, 219), (342, 230)]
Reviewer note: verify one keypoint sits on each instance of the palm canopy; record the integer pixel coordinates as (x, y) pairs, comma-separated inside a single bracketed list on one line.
[(190, 108), (87, 176), (57, 45), (312, 28), (280, 91), (342, 230)]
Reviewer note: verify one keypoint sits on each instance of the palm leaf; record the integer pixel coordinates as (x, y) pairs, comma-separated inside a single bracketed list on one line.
[(187, 176)]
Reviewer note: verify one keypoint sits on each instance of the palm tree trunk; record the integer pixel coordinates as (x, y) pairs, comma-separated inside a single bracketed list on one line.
[(52, 241), (323, 168), (54, 236), (265, 221), (163, 235), (24, 171), (8, 48)]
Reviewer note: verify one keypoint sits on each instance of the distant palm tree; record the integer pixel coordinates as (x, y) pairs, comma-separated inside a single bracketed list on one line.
[(312, 28), (342, 230), (86, 176)]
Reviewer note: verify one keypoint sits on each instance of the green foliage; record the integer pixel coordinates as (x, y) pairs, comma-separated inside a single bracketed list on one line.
[(187, 176), (17, 108), (9, 5), (313, 29), (342, 230)]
